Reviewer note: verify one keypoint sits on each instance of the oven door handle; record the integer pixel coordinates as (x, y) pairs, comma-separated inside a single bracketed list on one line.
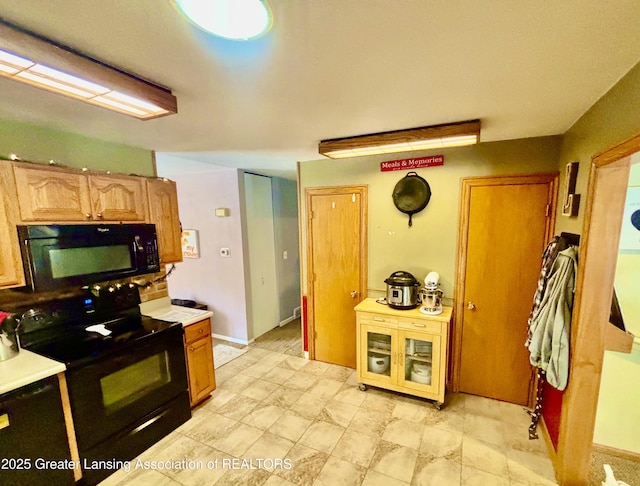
[(149, 422)]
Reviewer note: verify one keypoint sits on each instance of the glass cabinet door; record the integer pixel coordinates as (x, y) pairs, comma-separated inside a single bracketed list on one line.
[(379, 355), (421, 366)]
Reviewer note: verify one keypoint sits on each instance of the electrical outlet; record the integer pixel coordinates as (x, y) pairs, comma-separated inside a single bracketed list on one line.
[(285, 255)]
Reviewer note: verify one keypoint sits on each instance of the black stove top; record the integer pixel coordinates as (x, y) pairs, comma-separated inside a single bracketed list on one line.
[(84, 328), (76, 346)]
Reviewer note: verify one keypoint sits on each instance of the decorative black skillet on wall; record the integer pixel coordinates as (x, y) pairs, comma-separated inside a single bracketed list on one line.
[(411, 194)]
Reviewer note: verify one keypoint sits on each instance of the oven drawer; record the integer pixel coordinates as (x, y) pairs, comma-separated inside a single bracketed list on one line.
[(135, 439)]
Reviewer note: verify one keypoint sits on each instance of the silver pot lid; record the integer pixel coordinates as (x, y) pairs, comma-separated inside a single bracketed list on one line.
[(402, 278)]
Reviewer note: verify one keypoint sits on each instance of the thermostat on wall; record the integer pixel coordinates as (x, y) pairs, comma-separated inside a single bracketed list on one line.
[(222, 212)]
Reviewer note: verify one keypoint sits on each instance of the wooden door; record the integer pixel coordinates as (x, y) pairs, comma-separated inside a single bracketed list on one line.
[(337, 270), (163, 212), (51, 194), (505, 225), (118, 198)]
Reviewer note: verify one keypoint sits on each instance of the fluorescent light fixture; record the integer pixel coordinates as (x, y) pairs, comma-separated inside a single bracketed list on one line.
[(231, 19), (39, 62), (423, 138)]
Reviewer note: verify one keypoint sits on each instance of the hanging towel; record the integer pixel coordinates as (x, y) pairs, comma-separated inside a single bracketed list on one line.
[(550, 324)]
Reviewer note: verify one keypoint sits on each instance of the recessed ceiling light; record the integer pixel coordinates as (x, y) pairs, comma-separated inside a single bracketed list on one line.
[(231, 19)]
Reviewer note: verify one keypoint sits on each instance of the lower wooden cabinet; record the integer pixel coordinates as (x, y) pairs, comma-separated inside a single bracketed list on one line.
[(402, 350), (198, 347)]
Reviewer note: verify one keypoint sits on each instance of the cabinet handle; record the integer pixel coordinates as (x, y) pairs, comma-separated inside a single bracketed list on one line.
[(191, 348), (400, 357), (418, 324), (99, 215), (87, 215), (379, 319), (393, 357), (201, 331)]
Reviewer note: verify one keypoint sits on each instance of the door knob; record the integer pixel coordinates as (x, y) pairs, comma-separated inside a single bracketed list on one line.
[(471, 305), (353, 294)]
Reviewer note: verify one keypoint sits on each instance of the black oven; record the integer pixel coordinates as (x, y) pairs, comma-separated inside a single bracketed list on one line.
[(126, 373), (108, 392), (56, 256)]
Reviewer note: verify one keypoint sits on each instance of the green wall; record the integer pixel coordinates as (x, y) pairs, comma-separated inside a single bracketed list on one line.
[(40, 144), (611, 120), (430, 244)]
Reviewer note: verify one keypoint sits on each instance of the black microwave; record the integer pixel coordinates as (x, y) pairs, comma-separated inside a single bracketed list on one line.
[(56, 255)]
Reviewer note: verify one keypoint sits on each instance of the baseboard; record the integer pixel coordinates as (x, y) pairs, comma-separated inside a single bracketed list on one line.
[(306, 355), (230, 339), (296, 315), (297, 312), (287, 321), (619, 453)]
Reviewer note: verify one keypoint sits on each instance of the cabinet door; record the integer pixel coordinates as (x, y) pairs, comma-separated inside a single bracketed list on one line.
[(419, 363), (378, 355), (51, 194), (202, 379), (11, 271), (118, 198), (163, 212)]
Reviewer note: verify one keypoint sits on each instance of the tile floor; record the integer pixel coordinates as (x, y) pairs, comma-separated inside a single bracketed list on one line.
[(279, 420)]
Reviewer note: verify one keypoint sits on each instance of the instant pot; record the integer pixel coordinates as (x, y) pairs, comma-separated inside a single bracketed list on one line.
[(402, 290)]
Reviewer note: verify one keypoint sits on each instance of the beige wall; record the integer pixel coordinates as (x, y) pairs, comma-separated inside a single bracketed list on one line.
[(211, 279), (430, 244), (40, 144)]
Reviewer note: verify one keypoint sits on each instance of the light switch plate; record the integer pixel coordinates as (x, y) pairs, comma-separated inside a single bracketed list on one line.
[(225, 252)]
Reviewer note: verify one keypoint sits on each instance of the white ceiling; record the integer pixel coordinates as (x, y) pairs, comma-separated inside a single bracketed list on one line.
[(336, 68)]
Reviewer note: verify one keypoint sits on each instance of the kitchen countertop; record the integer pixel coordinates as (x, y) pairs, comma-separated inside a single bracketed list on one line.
[(370, 305), (26, 368), (163, 309)]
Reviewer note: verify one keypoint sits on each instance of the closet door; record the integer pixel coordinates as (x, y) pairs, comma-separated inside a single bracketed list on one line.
[(505, 225), (265, 313)]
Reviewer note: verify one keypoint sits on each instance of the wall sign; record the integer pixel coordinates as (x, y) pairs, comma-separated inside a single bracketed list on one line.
[(416, 163), (190, 247)]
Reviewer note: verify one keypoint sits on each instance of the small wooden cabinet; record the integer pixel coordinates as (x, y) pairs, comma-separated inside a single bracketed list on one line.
[(53, 194), (402, 350), (163, 205), (198, 347), (11, 271)]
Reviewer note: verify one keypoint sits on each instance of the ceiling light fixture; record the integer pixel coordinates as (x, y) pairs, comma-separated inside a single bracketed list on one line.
[(423, 138), (39, 62), (231, 19)]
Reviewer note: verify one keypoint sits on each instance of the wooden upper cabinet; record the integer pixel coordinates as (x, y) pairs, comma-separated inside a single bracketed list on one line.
[(51, 194), (11, 271), (116, 198), (163, 212)]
